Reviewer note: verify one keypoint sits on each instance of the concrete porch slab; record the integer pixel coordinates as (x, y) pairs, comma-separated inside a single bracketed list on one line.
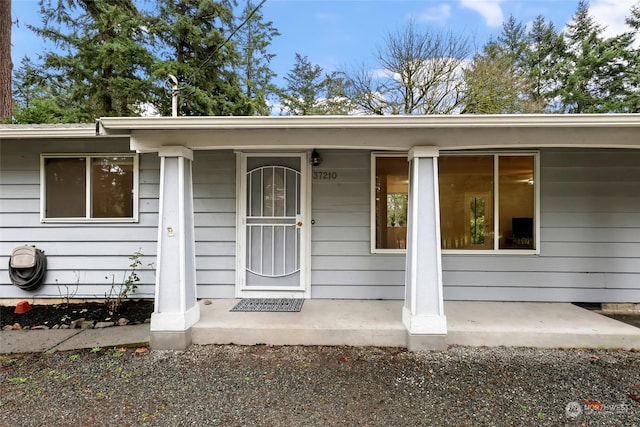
[(320, 322), (378, 323), (542, 325)]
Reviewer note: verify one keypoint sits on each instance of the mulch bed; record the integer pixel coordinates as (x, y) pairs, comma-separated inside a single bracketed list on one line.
[(134, 311)]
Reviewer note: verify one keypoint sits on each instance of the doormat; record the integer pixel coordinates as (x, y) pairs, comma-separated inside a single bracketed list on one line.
[(269, 304)]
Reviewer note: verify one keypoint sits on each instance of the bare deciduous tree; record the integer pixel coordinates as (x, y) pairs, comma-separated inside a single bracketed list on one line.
[(420, 74)]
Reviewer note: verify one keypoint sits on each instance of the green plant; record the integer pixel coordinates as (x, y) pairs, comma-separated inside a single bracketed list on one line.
[(121, 291), (96, 349), (18, 380), (74, 357)]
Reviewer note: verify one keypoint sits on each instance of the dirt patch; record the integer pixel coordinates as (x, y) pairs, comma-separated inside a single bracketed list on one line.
[(134, 311), (631, 319)]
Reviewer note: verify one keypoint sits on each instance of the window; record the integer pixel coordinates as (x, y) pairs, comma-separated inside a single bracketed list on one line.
[(391, 197), (89, 187), (470, 185), (487, 201)]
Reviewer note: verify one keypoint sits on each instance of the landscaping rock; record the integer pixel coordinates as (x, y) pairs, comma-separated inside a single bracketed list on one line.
[(101, 325), (76, 324), (122, 321)]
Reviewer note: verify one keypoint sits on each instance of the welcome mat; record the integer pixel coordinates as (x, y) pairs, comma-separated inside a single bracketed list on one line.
[(269, 304)]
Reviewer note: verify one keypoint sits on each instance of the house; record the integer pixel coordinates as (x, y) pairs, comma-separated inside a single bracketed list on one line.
[(415, 208)]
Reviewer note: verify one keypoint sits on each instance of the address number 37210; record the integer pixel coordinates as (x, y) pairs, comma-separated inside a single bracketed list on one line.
[(325, 175)]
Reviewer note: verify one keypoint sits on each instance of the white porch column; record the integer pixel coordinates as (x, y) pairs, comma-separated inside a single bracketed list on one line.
[(176, 308), (423, 311)]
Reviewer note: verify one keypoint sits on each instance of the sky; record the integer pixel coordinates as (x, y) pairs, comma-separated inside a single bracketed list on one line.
[(342, 34)]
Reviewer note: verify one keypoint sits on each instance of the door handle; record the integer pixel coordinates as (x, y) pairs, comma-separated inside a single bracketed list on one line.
[(299, 224)]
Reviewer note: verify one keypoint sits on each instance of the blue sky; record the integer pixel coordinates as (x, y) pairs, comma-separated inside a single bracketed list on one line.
[(337, 34)]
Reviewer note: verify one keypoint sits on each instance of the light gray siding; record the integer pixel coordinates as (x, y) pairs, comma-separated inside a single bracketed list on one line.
[(590, 231), (214, 192), (86, 254), (590, 237), (342, 263)]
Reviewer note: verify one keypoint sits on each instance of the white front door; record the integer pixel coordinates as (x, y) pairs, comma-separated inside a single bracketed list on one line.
[(272, 237)]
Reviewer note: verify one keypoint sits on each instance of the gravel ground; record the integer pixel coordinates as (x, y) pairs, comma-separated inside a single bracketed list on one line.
[(321, 386)]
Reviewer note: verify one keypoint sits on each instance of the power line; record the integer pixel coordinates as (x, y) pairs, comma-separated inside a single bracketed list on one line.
[(220, 46)]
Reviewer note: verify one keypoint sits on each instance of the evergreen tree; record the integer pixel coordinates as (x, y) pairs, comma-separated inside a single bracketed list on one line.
[(543, 59), (495, 84), (594, 75), (337, 101), (305, 88), (191, 37), (513, 41), (100, 60), (633, 66), (254, 39), (36, 100)]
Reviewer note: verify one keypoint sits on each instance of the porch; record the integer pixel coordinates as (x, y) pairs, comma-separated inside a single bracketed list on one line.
[(379, 323)]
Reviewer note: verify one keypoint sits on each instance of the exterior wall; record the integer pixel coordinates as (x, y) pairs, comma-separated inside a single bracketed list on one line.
[(589, 252), (590, 237), (214, 204), (77, 253), (341, 262), (590, 233), (341, 259)]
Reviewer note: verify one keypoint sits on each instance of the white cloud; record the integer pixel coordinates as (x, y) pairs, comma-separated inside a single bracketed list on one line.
[(491, 10), (435, 14), (611, 14)]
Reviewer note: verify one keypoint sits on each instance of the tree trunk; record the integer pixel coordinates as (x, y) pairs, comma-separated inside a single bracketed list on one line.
[(6, 65)]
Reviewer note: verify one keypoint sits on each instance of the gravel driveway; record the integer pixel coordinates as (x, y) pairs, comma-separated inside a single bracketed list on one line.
[(321, 386)]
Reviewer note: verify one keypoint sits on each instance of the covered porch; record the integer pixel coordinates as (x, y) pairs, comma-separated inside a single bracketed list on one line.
[(379, 323)]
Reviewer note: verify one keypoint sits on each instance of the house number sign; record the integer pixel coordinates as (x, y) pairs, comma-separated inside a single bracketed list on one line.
[(325, 175)]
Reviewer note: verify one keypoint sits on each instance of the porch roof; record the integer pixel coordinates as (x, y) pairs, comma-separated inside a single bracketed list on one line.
[(448, 132)]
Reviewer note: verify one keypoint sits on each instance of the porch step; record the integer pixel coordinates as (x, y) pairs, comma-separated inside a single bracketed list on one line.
[(320, 322)]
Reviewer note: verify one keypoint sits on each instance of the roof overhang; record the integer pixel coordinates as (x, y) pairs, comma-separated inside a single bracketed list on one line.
[(50, 132), (448, 132)]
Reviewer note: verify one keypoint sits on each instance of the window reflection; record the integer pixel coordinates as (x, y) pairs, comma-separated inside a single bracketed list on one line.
[(392, 189)]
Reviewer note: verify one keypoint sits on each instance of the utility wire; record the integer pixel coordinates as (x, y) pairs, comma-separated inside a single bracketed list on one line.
[(220, 46)]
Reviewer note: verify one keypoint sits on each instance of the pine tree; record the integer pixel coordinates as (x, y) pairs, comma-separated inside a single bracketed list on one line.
[(191, 37), (305, 88), (36, 100), (100, 61), (254, 39), (594, 75), (543, 59), (633, 65)]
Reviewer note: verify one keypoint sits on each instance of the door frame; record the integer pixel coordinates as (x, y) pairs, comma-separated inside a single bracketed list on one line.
[(241, 291)]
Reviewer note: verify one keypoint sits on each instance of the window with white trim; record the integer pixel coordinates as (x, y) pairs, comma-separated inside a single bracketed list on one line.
[(92, 188), (390, 200), (488, 202)]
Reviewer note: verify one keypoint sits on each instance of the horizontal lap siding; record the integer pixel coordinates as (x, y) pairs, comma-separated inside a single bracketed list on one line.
[(214, 204), (590, 237), (82, 258), (342, 263)]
